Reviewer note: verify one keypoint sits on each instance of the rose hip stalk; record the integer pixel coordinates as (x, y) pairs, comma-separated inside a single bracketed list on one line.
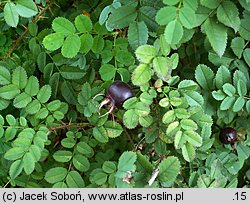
[(117, 93)]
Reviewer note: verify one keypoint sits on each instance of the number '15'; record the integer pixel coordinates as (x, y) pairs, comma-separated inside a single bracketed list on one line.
[(241, 196)]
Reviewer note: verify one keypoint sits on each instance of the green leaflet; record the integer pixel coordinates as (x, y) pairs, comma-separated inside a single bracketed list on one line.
[(145, 53), (244, 29), (29, 163), (83, 23), (192, 137), (238, 105), (187, 17), (237, 46), (41, 61), (10, 14), (169, 169), (212, 4), (229, 89), (63, 26), (71, 46), (162, 67), (126, 163), (173, 32), (26, 8), (137, 34), (70, 72), (22, 100), (32, 86), (14, 153), (246, 55), (107, 72), (141, 74), (9, 92), (68, 93), (205, 77), (86, 42), (170, 2), (222, 76), (188, 152), (55, 174), (227, 13), (113, 129), (19, 77), (16, 168), (74, 180), (122, 17), (33, 107), (85, 149), (163, 19), (98, 44), (44, 94), (130, 119), (109, 167), (85, 94), (81, 163), (193, 4), (62, 156), (5, 77), (217, 35), (100, 178), (53, 41), (100, 134)]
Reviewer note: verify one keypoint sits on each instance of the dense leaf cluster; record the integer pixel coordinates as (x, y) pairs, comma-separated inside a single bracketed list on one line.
[(188, 62)]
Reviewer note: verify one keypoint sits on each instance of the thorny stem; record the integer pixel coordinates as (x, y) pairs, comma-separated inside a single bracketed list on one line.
[(70, 125)]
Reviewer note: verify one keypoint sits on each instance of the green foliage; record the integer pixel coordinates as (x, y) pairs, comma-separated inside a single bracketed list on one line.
[(187, 62), (23, 8)]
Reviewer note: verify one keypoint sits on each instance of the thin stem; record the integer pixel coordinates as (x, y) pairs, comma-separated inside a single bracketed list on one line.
[(129, 137), (137, 146), (71, 125), (7, 184)]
